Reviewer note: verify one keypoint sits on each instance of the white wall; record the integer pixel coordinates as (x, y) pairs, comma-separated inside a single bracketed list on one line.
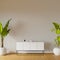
[(31, 20)]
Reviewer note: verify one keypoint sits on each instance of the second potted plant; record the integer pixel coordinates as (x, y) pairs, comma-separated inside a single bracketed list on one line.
[(56, 30)]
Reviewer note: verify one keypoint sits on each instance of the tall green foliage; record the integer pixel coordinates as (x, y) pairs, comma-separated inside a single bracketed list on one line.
[(4, 31), (56, 29)]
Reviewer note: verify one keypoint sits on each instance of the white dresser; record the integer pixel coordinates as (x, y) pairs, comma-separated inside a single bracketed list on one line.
[(29, 46)]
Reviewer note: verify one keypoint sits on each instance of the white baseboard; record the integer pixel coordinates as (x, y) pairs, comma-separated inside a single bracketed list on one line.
[(34, 51)]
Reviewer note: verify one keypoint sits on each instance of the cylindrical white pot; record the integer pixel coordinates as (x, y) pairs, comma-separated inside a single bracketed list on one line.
[(56, 51), (2, 51)]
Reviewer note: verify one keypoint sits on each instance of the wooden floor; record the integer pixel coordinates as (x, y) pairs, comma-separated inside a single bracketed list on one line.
[(30, 57)]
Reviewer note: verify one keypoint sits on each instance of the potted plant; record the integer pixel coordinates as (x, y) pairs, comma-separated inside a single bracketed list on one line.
[(56, 30), (3, 33)]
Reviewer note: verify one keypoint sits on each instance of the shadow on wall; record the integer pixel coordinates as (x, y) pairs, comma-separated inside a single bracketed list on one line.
[(47, 46), (17, 29)]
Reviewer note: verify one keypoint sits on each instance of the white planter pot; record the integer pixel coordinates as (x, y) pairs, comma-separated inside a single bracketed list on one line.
[(56, 51), (2, 51)]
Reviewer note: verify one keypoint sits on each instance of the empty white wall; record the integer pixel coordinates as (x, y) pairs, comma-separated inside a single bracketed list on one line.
[(31, 20)]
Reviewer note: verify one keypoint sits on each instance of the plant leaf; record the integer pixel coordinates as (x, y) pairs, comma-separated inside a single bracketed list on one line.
[(4, 32), (7, 24), (1, 28), (5, 29), (58, 38), (58, 31), (57, 41), (8, 31), (56, 25)]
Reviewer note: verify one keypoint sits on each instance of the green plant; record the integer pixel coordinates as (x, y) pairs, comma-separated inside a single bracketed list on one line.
[(56, 29), (4, 31)]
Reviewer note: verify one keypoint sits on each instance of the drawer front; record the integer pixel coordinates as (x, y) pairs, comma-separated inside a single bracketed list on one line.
[(39, 46), (33, 46), (19, 46), (26, 46)]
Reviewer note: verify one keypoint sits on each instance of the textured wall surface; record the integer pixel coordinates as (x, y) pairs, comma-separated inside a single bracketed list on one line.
[(31, 20)]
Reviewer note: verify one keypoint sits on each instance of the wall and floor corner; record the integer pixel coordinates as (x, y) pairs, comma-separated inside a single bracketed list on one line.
[(31, 20)]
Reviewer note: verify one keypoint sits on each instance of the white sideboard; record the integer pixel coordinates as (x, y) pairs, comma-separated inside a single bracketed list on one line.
[(29, 46)]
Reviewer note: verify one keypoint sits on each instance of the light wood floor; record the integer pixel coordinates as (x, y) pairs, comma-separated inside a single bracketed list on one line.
[(30, 57)]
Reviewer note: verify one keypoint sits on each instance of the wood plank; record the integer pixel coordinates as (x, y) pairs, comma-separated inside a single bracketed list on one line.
[(30, 57)]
